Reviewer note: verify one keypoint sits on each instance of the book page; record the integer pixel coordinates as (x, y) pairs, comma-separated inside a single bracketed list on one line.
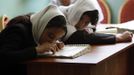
[(102, 28), (127, 25), (71, 51), (115, 28)]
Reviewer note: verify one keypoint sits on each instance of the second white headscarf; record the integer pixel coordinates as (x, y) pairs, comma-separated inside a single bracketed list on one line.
[(75, 11)]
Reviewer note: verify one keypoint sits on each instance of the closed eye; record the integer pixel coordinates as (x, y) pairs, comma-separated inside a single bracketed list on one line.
[(51, 35)]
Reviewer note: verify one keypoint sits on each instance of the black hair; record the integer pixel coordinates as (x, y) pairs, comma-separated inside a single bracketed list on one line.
[(93, 16), (20, 19), (58, 22)]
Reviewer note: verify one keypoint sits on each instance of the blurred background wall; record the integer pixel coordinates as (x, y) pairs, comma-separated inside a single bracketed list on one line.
[(13, 8)]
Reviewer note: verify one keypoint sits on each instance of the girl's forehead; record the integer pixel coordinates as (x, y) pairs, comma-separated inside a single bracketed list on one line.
[(55, 30)]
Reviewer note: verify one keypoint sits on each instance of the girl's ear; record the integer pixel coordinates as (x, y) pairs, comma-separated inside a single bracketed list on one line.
[(3, 22)]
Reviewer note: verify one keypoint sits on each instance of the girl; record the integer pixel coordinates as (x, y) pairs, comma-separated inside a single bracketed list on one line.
[(82, 18), (27, 35)]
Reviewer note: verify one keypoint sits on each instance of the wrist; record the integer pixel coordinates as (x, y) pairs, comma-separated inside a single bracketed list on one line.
[(38, 50), (118, 38)]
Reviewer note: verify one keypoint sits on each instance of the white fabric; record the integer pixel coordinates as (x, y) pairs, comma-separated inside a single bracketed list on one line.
[(70, 30), (58, 3), (40, 20), (55, 2), (74, 12)]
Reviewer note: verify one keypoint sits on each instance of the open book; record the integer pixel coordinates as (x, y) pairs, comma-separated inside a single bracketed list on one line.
[(69, 51), (103, 28), (116, 28), (127, 26)]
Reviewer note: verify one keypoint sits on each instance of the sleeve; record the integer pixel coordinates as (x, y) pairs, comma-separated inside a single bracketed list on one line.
[(11, 46), (83, 37)]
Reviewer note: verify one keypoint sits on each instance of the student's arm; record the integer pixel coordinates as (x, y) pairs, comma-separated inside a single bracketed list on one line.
[(83, 37), (13, 46)]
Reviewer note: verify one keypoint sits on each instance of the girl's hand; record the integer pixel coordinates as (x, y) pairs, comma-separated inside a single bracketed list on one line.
[(46, 47), (124, 37), (60, 45)]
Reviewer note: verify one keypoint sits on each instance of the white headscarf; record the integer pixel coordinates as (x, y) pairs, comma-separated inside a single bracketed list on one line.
[(40, 20), (76, 10)]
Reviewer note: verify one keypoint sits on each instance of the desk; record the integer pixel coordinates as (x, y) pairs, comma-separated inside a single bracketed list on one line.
[(109, 59)]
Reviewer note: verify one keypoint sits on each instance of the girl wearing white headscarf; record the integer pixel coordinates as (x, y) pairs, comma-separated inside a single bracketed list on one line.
[(83, 15), (62, 2), (27, 35), (76, 10)]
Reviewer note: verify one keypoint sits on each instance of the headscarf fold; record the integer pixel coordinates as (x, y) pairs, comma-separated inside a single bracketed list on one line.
[(40, 20)]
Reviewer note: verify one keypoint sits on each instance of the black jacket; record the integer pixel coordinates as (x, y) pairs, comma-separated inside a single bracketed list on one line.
[(16, 46), (83, 37)]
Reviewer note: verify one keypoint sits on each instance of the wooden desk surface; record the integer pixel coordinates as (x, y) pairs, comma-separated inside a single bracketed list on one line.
[(98, 53)]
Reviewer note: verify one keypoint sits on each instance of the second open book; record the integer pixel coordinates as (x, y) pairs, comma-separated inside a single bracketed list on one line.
[(69, 51), (116, 28)]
